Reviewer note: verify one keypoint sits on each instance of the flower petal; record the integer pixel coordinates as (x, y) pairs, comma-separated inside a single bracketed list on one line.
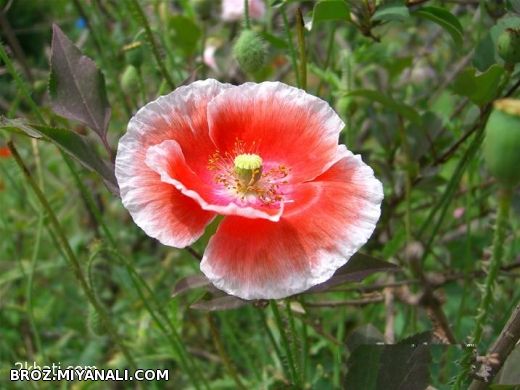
[(282, 124), (327, 222), (168, 161), (157, 207)]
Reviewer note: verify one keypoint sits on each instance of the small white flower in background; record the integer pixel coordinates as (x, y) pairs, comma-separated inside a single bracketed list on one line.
[(208, 57), (233, 10)]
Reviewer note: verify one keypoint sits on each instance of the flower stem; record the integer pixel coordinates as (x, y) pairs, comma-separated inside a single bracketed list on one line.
[(141, 17), (300, 29), (73, 260), (292, 50), (247, 21), (285, 342), (217, 340), (185, 360), (504, 204)]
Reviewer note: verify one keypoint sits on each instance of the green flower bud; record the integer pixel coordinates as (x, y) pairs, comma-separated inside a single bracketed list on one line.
[(130, 80), (502, 142), (249, 51), (508, 45)]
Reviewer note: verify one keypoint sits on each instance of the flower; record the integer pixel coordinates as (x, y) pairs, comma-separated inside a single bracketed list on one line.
[(296, 205), (208, 56), (233, 10), (5, 152)]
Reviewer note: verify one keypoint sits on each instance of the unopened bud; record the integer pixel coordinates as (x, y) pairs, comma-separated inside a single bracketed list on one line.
[(508, 45), (249, 51), (502, 142)]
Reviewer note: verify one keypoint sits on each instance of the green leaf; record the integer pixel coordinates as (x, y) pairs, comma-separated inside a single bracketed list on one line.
[(186, 33), (72, 143), (480, 89), (445, 19), (392, 11), (76, 85), (274, 40), (406, 111), (329, 10), (486, 52)]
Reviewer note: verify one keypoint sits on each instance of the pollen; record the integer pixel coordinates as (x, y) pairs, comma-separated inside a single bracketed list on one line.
[(243, 174)]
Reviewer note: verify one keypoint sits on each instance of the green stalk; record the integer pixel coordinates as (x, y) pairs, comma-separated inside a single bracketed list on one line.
[(30, 308), (185, 360), (71, 257), (504, 204), (300, 30), (247, 21), (21, 85), (292, 50), (139, 13), (285, 342), (293, 337), (222, 352)]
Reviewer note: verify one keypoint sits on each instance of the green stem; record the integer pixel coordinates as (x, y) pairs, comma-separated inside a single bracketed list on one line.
[(73, 260), (504, 204), (285, 342), (293, 336), (174, 338), (30, 309), (292, 50), (21, 85), (300, 30), (222, 352), (247, 21), (139, 13)]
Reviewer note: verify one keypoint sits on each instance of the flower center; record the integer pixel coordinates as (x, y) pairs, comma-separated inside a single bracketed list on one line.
[(246, 176), (248, 167)]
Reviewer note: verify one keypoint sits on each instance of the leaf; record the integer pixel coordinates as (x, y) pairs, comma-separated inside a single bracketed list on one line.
[(480, 89), (445, 19), (366, 334), (392, 11), (186, 33), (279, 3), (189, 283), (329, 10), (357, 268), (510, 374), (274, 40), (390, 367), (72, 143), (486, 53), (226, 302), (77, 86), (406, 111)]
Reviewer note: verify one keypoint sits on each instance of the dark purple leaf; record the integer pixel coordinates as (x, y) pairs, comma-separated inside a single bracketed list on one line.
[(72, 143), (77, 86), (403, 366), (357, 268), (189, 283), (225, 302)]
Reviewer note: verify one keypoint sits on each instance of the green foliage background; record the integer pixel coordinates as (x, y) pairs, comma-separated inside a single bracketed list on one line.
[(414, 82)]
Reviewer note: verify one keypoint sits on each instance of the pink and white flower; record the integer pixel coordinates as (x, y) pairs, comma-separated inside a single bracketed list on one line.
[(296, 205), (233, 10)]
